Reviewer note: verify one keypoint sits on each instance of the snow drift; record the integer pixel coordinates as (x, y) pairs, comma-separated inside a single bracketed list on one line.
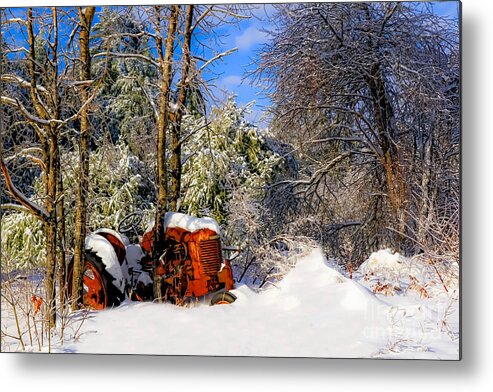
[(409, 273), (313, 312)]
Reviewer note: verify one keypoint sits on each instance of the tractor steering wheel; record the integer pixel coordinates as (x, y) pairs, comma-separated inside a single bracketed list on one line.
[(131, 223)]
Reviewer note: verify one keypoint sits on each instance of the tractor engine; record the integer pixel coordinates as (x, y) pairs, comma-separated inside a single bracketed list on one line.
[(192, 264)]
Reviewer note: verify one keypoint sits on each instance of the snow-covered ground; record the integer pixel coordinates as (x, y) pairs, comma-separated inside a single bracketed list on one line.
[(313, 312)]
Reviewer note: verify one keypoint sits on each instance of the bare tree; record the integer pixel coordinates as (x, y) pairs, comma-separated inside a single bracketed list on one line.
[(165, 56), (47, 124), (86, 17), (359, 91), (180, 108)]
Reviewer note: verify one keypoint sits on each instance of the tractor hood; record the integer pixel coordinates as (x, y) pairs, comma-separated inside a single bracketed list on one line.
[(187, 222)]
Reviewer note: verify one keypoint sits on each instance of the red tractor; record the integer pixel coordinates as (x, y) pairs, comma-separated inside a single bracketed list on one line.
[(190, 267)]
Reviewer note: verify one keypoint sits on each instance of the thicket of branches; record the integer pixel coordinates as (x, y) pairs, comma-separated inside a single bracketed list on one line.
[(367, 96), (107, 111)]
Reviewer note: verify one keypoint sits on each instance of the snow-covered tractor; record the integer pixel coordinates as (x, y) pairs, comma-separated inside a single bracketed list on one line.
[(191, 265)]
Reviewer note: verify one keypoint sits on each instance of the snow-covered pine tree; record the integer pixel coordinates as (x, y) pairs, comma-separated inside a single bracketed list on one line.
[(129, 92), (222, 154), (119, 185)]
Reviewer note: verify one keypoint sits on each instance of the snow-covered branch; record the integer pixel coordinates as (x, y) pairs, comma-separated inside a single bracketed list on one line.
[(81, 109), (10, 78), (81, 83), (202, 16), (15, 50), (27, 153), (16, 207), (34, 208), (29, 116), (128, 56), (208, 62), (16, 20)]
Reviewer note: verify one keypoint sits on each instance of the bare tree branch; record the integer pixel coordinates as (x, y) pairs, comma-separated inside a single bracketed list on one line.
[(34, 208), (128, 56)]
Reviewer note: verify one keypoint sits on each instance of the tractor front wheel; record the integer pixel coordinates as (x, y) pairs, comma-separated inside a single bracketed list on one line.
[(223, 298)]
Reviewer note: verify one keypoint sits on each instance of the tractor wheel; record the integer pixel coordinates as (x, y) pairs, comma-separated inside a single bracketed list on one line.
[(223, 298), (98, 291)]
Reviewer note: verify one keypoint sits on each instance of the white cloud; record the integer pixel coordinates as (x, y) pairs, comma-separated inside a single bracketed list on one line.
[(251, 36), (231, 81)]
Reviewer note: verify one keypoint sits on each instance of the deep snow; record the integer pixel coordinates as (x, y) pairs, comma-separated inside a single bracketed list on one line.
[(313, 312)]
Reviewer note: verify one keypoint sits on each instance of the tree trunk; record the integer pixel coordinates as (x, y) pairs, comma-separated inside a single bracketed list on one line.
[(62, 284), (176, 125), (85, 18), (162, 127), (50, 150), (51, 229), (60, 215), (426, 203), (385, 125), (32, 67)]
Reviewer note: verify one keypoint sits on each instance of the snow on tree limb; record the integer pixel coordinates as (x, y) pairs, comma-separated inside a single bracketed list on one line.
[(81, 109), (36, 209), (127, 55), (15, 50), (27, 153), (202, 16), (208, 62), (12, 206), (16, 20), (21, 82), (17, 104), (81, 83)]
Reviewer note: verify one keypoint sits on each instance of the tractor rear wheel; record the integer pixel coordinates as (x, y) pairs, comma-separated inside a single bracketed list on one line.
[(94, 292), (98, 291), (223, 298)]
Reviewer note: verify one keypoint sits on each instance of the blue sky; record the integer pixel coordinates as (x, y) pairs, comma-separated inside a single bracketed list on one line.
[(230, 72), (227, 73), (446, 8)]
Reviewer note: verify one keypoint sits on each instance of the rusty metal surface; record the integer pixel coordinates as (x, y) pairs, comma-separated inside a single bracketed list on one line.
[(94, 294), (191, 263)]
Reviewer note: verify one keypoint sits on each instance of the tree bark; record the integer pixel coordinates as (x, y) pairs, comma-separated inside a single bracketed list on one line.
[(162, 127), (51, 229), (425, 211), (62, 284), (176, 169), (40, 110), (60, 218), (385, 125), (85, 19)]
